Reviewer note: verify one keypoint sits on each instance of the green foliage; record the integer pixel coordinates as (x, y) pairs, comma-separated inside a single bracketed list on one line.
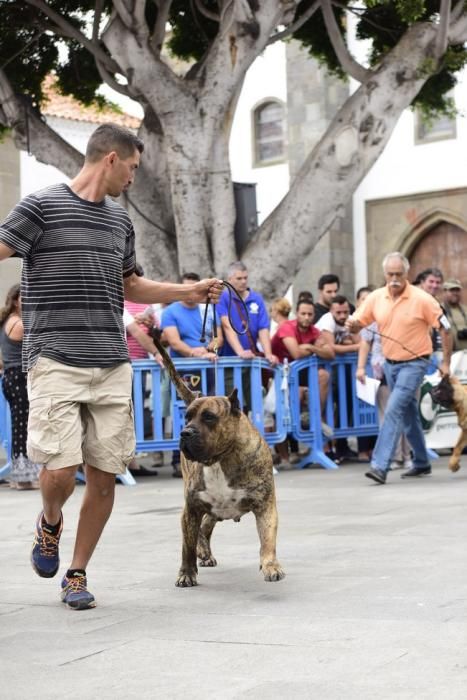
[(192, 33)]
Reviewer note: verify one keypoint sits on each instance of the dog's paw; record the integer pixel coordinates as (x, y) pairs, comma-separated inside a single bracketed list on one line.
[(454, 465), (207, 561), (273, 572), (185, 580)]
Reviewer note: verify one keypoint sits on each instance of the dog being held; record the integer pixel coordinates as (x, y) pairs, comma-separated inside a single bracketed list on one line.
[(451, 394), (227, 472)]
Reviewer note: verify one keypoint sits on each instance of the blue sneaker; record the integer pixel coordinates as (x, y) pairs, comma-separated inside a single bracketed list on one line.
[(75, 593), (44, 556)]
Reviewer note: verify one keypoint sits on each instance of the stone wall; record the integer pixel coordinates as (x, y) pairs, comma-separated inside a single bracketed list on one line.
[(9, 196)]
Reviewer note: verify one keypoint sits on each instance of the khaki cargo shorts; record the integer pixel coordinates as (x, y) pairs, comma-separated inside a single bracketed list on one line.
[(80, 414)]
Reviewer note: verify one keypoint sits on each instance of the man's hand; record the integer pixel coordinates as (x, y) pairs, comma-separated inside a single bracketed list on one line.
[(272, 359), (247, 355), (361, 375), (207, 290), (444, 369), (352, 325), (158, 358)]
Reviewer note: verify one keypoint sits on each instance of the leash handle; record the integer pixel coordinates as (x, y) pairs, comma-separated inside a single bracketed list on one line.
[(231, 290)]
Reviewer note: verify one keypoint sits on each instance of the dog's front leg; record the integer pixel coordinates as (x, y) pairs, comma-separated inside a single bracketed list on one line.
[(191, 520), (454, 460), (204, 541), (266, 524)]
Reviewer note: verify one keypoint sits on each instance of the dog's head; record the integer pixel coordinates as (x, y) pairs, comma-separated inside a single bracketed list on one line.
[(211, 427), (443, 393)]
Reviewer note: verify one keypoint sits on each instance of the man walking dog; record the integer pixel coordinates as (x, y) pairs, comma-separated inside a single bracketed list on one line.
[(404, 315), (77, 246)]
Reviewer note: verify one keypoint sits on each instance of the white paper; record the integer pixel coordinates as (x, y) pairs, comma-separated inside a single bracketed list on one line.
[(367, 392)]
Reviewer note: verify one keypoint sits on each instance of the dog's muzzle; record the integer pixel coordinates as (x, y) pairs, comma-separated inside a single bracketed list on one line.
[(191, 444)]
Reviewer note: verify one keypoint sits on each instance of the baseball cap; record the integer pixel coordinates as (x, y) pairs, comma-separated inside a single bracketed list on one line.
[(452, 283)]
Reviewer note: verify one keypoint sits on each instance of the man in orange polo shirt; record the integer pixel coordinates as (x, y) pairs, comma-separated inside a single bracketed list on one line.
[(405, 316)]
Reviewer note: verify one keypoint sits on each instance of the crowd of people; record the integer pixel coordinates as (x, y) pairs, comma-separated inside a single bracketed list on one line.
[(66, 370)]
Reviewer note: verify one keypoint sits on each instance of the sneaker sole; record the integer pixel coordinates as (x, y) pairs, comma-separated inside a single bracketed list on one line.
[(415, 476), (375, 478), (80, 605)]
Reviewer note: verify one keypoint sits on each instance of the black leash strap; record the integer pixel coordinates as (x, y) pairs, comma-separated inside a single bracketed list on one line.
[(231, 290)]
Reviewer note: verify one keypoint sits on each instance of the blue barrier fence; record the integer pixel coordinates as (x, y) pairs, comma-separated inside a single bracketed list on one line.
[(155, 399)]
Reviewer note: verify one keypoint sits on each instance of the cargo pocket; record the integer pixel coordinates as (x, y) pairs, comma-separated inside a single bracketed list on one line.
[(128, 436), (43, 439)]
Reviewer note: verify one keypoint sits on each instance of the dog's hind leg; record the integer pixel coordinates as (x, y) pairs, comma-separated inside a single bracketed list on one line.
[(191, 521), (454, 460), (203, 549), (266, 524)]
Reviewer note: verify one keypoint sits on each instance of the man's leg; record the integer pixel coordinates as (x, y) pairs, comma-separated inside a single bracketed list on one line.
[(95, 511), (57, 485)]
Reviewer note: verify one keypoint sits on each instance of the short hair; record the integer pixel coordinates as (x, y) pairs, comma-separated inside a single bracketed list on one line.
[(191, 276), (328, 279), (111, 137), (339, 299), (400, 257), (362, 290), (236, 266), (424, 274), (304, 300), (282, 305), (304, 295)]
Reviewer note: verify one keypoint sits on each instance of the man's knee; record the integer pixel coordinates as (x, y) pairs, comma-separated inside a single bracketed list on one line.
[(102, 483)]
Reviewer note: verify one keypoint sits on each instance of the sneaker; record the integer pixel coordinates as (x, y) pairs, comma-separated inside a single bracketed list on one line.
[(44, 556), (377, 475), (75, 593), (395, 464), (417, 471)]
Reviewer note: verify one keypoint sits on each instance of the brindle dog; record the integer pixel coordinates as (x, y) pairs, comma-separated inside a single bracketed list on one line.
[(451, 394), (227, 471)]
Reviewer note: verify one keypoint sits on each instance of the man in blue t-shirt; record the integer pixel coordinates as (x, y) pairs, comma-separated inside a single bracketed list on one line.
[(257, 339)]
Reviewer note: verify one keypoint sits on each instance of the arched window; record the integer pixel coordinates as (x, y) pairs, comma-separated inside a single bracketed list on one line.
[(269, 133)]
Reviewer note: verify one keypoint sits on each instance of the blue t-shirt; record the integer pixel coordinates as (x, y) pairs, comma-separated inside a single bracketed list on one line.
[(189, 323), (257, 318)]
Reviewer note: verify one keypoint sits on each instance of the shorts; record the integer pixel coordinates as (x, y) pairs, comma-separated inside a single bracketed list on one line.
[(80, 414)]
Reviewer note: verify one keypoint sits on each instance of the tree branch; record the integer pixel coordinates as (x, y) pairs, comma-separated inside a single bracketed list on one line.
[(111, 82), (157, 41), (97, 20), (441, 43), (458, 29), (74, 33), (33, 134), (348, 63), (279, 36), (204, 11), (123, 13)]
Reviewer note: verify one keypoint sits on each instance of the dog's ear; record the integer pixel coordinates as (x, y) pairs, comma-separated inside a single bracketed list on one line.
[(235, 407)]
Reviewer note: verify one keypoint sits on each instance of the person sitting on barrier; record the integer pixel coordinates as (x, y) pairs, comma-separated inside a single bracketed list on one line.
[(299, 338), (24, 472), (343, 342), (78, 250), (404, 315), (182, 324)]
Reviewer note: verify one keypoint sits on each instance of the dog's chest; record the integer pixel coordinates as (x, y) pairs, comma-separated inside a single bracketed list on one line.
[(224, 500)]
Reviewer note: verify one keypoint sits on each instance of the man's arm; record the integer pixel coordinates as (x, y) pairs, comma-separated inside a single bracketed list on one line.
[(265, 340), (320, 348), (176, 343), (5, 251), (146, 291), (447, 344), (233, 340), (363, 352), (145, 341)]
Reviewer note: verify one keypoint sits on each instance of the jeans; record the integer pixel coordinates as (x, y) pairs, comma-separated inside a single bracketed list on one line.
[(401, 415)]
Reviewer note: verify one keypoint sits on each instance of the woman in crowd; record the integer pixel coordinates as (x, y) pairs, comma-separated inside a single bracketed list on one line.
[(24, 473)]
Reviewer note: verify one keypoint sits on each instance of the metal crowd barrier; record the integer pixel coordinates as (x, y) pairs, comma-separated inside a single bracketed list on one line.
[(155, 400)]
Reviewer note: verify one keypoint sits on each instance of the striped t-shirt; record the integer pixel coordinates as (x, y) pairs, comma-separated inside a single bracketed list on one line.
[(75, 255)]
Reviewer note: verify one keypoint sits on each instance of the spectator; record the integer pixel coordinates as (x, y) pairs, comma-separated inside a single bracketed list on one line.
[(257, 339), (280, 310), (328, 287), (182, 326), (24, 472), (300, 338), (431, 281), (456, 313), (404, 314), (332, 326), (79, 374)]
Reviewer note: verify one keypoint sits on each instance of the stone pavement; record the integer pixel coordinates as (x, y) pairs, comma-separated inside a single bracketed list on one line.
[(373, 606)]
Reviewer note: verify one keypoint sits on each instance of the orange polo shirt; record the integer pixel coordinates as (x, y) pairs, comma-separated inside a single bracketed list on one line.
[(408, 319)]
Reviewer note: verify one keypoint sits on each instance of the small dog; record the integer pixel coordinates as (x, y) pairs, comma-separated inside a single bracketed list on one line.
[(227, 471), (452, 395)]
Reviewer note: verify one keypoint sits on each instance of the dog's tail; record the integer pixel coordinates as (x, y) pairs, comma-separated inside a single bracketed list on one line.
[(186, 394)]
